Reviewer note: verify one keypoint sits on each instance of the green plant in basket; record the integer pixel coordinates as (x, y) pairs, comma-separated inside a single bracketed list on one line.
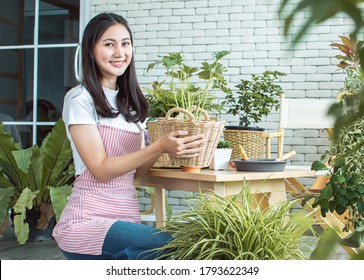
[(187, 86), (255, 98)]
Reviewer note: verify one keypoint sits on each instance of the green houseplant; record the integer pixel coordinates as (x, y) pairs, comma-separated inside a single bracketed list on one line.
[(255, 98), (188, 91), (320, 11), (187, 86), (344, 192), (36, 180), (217, 228)]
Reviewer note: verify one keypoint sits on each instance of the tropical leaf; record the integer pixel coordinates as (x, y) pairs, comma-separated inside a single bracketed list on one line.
[(319, 11), (28, 173), (35, 174), (7, 161), (59, 196), (57, 153), (5, 197), (23, 158), (24, 202)]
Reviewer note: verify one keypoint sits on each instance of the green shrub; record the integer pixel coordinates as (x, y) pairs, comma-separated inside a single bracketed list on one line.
[(218, 228)]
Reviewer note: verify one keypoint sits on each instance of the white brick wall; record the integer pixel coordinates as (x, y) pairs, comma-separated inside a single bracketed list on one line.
[(253, 32)]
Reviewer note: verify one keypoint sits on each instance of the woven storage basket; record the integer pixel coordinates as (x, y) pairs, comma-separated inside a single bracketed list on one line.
[(164, 161), (211, 129), (252, 142)]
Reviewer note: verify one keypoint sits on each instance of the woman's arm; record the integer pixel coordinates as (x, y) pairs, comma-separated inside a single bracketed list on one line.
[(91, 149)]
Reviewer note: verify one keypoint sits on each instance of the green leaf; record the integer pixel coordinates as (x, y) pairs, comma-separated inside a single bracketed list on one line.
[(21, 229), (327, 191), (57, 153), (318, 165), (24, 202), (5, 197), (360, 205), (340, 209), (351, 194), (23, 158), (325, 248), (319, 11), (7, 161), (59, 198), (353, 239)]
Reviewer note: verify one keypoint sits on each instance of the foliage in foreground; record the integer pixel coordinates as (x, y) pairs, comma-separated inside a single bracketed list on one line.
[(35, 178), (218, 228)]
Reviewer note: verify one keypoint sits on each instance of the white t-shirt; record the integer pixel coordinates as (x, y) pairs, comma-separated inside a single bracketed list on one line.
[(78, 108)]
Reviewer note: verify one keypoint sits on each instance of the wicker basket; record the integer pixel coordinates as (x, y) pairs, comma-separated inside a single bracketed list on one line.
[(164, 161), (252, 142), (211, 129)]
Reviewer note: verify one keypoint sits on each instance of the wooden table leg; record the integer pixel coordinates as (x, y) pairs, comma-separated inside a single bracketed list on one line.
[(159, 206)]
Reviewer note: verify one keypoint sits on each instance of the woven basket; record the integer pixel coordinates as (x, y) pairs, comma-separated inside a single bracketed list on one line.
[(164, 161), (211, 129), (252, 142)]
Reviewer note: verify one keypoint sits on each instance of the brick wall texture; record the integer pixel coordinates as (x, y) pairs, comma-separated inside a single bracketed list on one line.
[(252, 30)]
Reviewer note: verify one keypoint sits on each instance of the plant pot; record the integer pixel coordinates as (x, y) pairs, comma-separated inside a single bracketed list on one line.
[(221, 159), (211, 129), (36, 234), (237, 127), (191, 169), (38, 231), (251, 140)]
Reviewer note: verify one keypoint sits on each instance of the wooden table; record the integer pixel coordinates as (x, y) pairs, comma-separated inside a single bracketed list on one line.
[(226, 183)]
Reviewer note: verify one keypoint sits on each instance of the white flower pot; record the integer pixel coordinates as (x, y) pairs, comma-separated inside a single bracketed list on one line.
[(221, 159)]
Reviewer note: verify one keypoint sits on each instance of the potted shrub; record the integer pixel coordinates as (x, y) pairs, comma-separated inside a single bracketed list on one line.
[(254, 99), (218, 228), (221, 158), (189, 93), (344, 192), (35, 182)]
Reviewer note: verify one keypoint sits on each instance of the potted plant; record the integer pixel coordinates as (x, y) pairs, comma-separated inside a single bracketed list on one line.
[(221, 158), (161, 100), (344, 192), (218, 228), (35, 182), (188, 92), (254, 99)]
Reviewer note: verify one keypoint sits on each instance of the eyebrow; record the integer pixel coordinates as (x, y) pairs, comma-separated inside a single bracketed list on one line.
[(111, 39)]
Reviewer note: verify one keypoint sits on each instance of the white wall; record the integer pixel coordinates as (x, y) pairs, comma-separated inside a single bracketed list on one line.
[(253, 32)]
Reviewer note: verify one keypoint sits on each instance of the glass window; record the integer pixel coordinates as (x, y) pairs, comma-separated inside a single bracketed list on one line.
[(38, 40), (16, 22), (59, 21), (16, 82)]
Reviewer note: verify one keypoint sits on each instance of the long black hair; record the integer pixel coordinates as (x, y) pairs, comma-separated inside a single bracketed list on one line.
[(130, 100)]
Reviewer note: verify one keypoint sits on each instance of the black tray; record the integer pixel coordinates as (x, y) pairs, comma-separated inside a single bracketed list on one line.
[(259, 165)]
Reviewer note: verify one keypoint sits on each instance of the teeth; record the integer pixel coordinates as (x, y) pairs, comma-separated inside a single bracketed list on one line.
[(119, 63)]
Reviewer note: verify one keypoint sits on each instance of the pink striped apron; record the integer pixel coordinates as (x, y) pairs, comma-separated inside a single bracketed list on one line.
[(94, 206)]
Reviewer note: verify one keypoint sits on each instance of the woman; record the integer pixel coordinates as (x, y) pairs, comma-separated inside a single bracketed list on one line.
[(102, 117)]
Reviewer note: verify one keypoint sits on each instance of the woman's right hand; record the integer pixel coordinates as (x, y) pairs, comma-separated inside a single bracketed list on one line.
[(179, 143)]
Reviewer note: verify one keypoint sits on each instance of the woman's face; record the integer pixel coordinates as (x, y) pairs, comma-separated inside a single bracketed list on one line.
[(113, 53)]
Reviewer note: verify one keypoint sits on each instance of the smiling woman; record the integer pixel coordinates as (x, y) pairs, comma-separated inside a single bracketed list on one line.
[(103, 118)]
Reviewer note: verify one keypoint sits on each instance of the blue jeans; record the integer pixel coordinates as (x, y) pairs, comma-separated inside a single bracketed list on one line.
[(128, 241)]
